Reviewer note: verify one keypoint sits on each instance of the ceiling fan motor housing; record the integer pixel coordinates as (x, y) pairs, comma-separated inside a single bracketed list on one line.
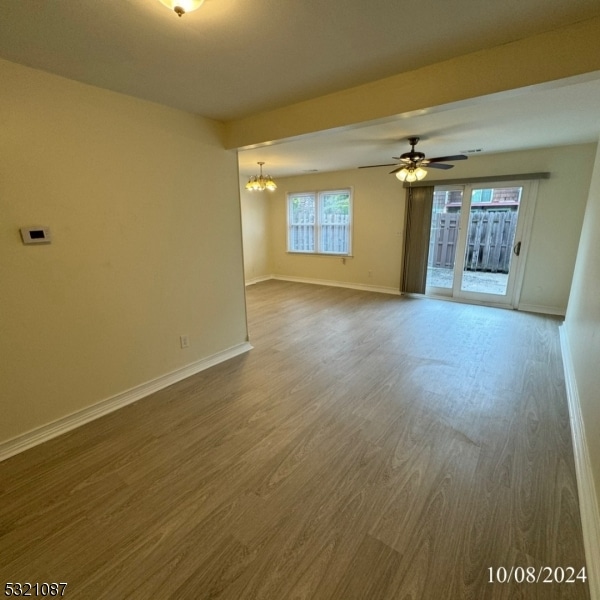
[(412, 156)]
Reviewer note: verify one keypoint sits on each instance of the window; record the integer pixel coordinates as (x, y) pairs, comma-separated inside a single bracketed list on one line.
[(481, 196), (509, 196), (320, 222)]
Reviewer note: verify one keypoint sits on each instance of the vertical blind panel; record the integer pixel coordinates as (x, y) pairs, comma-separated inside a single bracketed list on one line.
[(419, 203)]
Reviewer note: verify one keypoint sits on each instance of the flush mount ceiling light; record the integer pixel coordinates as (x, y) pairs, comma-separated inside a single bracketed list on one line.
[(258, 183), (182, 6)]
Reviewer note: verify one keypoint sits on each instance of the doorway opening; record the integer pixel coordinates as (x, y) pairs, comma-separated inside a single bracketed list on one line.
[(478, 241)]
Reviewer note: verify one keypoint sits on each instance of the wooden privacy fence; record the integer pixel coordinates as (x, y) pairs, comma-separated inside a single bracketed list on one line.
[(332, 232), (302, 235), (490, 238)]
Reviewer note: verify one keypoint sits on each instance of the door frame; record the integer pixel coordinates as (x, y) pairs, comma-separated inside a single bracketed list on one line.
[(517, 266)]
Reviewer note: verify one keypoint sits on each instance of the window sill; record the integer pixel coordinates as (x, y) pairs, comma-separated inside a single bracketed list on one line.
[(325, 254)]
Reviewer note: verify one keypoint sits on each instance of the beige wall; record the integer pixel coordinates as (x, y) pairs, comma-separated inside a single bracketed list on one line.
[(146, 247), (582, 324), (379, 222), (377, 230), (255, 225)]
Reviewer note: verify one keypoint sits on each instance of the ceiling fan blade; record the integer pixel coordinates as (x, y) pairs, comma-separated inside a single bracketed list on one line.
[(373, 166), (439, 166), (447, 158), (413, 159)]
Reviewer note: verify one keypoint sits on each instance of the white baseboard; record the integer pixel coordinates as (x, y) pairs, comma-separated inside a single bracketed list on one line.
[(352, 286), (258, 279), (542, 310), (588, 500), (51, 430)]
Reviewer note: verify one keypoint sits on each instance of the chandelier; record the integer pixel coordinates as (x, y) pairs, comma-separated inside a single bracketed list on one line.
[(258, 183), (411, 173), (182, 6)]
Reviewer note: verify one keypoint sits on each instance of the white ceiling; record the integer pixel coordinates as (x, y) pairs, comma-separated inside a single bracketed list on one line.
[(232, 58)]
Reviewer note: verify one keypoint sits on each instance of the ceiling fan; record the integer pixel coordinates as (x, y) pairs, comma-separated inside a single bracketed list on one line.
[(411, 166)]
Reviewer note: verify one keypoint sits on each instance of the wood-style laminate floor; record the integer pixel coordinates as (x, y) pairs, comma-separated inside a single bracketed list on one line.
[(370, 447)]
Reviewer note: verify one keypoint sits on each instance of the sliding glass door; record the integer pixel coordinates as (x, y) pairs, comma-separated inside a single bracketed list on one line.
[(443, 239), (477, 241)]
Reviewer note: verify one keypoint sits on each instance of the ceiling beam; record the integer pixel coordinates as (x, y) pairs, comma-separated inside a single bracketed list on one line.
[(566, 52)]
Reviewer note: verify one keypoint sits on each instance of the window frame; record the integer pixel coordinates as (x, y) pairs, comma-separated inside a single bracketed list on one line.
[(317, 226)]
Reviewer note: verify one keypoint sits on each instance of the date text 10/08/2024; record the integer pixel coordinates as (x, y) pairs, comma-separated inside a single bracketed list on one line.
[(34, 589), (536, 575)]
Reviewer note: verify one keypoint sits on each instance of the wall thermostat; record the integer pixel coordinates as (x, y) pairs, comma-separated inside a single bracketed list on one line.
[(36, 235)]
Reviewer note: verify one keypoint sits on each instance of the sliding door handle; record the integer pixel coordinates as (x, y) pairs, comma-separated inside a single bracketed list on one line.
[(517, 248)]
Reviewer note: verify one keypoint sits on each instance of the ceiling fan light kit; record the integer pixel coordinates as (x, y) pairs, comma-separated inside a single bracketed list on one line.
[(411, 174), (180, 7)]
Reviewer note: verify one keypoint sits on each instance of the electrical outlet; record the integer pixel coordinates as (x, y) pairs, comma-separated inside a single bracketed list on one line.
[(185, 341)]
